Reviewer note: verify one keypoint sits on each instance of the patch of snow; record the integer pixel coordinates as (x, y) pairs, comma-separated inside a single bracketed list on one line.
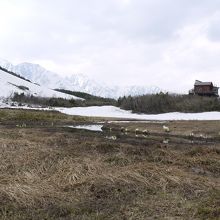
[(115, 112)]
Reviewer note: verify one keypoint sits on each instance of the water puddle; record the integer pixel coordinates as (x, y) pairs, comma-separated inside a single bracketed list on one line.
[(88, 127)]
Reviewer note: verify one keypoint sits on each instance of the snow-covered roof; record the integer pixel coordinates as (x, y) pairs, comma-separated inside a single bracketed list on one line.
[(199, 83)]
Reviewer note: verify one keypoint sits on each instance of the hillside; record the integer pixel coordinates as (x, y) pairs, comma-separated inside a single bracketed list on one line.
[(11, 83)]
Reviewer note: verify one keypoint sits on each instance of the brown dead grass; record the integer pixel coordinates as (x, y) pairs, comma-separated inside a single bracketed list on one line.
[(56, 173)]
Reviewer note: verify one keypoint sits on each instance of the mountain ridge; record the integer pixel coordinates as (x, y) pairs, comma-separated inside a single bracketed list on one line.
[(76, 82)]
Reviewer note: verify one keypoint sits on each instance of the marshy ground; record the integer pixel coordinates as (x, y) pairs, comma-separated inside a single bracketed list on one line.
[(48, 171)]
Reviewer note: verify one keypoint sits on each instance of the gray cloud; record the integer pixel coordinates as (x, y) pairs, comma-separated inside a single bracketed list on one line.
[(166, 43)]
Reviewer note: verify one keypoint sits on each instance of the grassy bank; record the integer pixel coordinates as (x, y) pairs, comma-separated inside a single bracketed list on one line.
[(22, 115)]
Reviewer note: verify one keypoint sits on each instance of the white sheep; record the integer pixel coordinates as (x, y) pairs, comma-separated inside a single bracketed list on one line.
[(203, 136), (23, 125), (122, 129), (166, 141), (166, 129), (191, 134), (111, 137), (114, 138), (146, 132)]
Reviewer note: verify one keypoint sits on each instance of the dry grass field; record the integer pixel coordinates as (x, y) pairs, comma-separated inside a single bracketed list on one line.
[(48, 171)]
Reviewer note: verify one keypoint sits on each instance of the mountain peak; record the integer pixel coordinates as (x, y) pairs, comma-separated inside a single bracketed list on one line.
[(6, 64), (76, 82)]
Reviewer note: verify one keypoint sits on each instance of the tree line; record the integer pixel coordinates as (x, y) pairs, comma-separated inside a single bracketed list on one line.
[(61, 102), (164, 102)]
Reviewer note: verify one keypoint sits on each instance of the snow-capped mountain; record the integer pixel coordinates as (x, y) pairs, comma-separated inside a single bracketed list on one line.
[(10, 84), (77, 82)]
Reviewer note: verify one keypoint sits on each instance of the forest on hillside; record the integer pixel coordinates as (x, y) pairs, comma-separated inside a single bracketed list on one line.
[(89, 100)]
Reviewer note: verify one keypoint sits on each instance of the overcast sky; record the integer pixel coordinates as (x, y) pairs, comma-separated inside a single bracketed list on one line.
[(167, 43)]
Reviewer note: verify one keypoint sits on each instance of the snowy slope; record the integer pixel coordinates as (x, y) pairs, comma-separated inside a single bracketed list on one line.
[(10, 84), (115, 112), (5, 64), (76, 82)]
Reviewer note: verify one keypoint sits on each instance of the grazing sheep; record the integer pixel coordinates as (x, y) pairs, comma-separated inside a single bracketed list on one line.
[(146, 132), (126, 131), (191, 134), (136, 131), (23, 125), (111, 138), (166, 129), (166, 141), (203, 136), (114, 138), (122, 129)]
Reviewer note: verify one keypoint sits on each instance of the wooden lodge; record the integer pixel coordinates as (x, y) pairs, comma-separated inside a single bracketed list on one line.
[(204, 89)]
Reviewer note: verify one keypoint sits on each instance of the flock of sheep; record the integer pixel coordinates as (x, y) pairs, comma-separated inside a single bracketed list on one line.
[(145, 132), (166, 129)]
